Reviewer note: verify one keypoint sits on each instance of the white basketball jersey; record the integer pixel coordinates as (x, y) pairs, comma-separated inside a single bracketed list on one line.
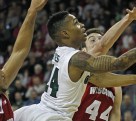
[(62, 95)]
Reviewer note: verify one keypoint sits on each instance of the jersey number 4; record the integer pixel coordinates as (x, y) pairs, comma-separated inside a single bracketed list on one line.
[(54, 83), (93, 111)]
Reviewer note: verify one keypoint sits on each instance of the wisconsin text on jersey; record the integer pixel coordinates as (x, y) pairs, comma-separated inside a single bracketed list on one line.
[(104, 91)]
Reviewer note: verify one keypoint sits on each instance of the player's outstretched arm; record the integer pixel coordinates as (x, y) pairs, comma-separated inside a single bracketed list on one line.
[(104, 63), (111, 36), (116, 112), (112, 80), (23, 43)]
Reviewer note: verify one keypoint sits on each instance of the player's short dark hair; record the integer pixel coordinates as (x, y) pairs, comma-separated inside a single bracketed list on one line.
[(55, 22), (94, 30)]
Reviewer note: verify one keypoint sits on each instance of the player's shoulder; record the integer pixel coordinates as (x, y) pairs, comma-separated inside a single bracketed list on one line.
[(64, 50), (63, 53)]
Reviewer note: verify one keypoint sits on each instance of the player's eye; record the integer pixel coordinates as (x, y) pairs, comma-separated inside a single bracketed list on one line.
[(99, 38), (93, 40)]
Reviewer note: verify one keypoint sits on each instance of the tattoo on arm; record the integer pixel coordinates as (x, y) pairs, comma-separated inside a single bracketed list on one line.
[(80, 60), (89, 63), (126, 60), (103, 63), (109, 63)]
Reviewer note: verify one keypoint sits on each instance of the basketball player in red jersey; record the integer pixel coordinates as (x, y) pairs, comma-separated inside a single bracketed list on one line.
[(20, 51), (102, 104)]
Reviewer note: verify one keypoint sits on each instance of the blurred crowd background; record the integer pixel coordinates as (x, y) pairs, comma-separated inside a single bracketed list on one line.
[(33, 76)]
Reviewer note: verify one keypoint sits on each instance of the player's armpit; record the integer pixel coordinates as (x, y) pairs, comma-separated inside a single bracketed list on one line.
[(112, 80)]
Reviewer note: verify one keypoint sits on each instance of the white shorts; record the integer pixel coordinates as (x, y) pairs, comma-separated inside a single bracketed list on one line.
[(35, 113)]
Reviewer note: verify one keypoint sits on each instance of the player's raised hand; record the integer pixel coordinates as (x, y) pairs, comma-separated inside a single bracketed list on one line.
[(37, 5), (132, 14)]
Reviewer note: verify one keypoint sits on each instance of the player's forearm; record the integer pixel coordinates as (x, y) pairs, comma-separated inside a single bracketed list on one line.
[(114, 32), (109, 63), (122, 80), (112, 80), (24, 39), (125, 60), (103, 63), (21, 49)]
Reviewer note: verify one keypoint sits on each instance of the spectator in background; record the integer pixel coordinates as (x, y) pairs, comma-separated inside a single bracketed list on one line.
[(48, 71), (94, 6), (49, 43), (128, 116), (37, 49), (98, 25), (53, 7), (33, 98), (88, 19), (74, 6), (128, 41), (18, 87), (38, 71), (8, 52), (24, 77), (31, 63), (127, 105), (18, 103), (62, 6), (41, 21), (37, 85), (13, 15)]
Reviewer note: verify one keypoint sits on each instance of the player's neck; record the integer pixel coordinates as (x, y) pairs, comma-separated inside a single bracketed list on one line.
[(68, 45)]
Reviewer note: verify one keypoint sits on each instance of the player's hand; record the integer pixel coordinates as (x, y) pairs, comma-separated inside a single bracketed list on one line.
[(132, 14), (37, 5)]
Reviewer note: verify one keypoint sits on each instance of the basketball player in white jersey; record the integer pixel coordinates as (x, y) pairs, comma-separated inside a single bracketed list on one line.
[(71, 72)]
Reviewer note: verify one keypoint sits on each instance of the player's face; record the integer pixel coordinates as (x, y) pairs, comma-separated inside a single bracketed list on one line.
[(92, 40), (76, 30)]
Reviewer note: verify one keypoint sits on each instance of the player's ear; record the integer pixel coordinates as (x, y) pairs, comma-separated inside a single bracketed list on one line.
[(65, 34)]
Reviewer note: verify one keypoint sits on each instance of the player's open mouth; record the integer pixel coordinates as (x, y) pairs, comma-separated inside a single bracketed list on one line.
[(85, 34)]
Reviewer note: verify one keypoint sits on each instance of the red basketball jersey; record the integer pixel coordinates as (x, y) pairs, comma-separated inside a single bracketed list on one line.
[(6, 113), (96, 104)]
